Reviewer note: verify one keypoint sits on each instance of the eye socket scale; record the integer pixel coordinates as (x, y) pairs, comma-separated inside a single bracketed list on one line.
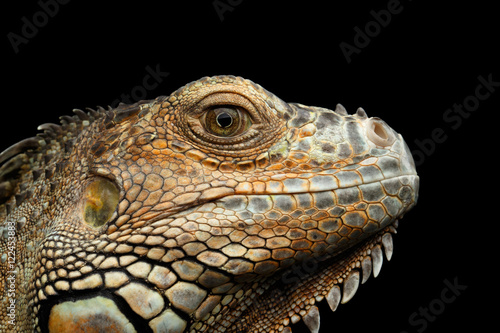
[(100, 200), (226, 121)]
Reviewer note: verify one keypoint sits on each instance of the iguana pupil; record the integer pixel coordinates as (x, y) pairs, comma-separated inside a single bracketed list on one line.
[(224, 120)]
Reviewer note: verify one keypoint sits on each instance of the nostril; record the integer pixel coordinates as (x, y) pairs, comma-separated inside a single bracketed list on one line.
[(379, 130), (379, 133)]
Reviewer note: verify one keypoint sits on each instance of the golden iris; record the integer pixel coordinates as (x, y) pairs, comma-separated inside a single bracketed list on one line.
[(226, 121)]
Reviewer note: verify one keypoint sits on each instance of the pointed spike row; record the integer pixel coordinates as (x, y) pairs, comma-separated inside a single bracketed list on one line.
[(366, 269), (100, 109), (66, 120), (388, 245), (377, 260), (21, 222), (53, 186), (92, 112), (17, 148), (312, 319), (36, 173), (51, 130), (23, 187), (360, 112), (45, 137), (47, 158), (50, 127), (340, 109), (81, 114), (108, 119), (333, 297), (49, 172), (350, 286), (20, 198), (12, 167)]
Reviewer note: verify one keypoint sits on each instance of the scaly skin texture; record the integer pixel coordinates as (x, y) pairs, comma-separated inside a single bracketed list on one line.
[(219, 208)]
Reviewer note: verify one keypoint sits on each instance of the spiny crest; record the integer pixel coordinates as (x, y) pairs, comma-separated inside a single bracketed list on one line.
[(23, 162)]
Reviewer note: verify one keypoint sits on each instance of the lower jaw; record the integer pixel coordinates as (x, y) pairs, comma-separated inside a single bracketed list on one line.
[(278, 302), (286, 299)]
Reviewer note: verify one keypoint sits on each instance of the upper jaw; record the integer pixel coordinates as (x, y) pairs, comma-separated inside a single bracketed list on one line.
[(332, 149)]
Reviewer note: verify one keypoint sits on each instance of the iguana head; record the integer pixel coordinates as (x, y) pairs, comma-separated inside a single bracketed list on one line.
[(219, 206)]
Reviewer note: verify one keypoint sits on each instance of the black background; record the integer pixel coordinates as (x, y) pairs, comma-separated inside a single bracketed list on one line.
[(427, 59)]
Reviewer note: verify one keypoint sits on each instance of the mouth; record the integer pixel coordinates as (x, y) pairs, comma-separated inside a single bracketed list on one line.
[(281, 301), (284, 300), (292, 294)]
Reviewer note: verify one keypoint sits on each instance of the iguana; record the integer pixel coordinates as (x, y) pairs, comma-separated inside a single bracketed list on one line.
[(219, 208)]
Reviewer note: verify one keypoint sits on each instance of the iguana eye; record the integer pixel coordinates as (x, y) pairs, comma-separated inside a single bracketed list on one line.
[(226, 121), (100, 200)]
